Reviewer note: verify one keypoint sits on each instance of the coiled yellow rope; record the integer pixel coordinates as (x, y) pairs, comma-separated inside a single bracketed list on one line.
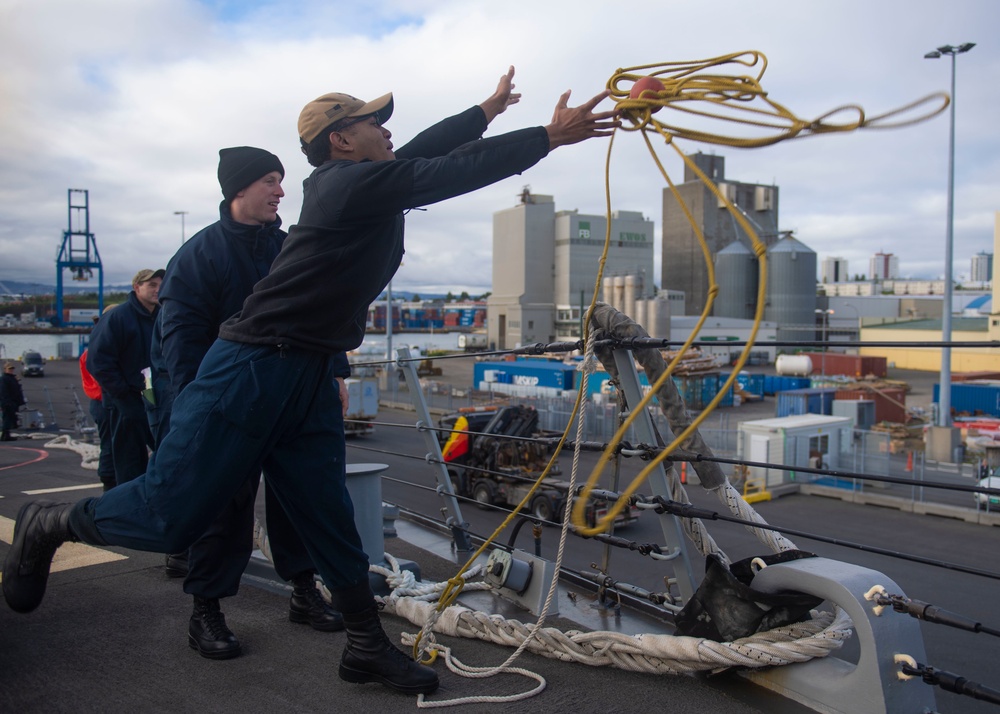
[(691, 88)]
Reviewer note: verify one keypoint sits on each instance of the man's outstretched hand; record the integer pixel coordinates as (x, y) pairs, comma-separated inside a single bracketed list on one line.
[(502, 98), (571, 125)]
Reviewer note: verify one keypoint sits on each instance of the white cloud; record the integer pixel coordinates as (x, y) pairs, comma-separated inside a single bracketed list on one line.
[(132, 100)]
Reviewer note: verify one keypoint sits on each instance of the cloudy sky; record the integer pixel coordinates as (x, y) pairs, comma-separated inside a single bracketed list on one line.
[(131, 99)]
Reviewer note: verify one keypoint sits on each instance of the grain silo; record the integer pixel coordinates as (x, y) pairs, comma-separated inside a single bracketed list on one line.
[(791, 290), (658, 317), (618, 301), (639, 315), (736, 274), (608, 290), (632, 282)]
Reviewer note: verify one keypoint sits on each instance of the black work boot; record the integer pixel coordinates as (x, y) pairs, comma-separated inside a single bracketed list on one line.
[(41, 527), (207, 631), (176, 565), (308, 606), (371, 657)]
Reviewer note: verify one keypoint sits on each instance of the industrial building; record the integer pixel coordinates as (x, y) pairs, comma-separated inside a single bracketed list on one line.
[(545, 268), (982, 267), (834, 270), (883, 266), (683, 265), (976, 328)]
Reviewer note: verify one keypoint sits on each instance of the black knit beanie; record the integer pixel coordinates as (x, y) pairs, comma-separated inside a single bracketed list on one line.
[(240, 166)]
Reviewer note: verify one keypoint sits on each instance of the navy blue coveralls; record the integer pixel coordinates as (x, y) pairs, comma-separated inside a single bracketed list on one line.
[(265, 392), (116, 356), (206, 282)]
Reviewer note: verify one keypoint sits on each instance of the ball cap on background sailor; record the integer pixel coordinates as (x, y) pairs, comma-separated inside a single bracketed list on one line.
[(323, 111), (145, 275), (240, 166)]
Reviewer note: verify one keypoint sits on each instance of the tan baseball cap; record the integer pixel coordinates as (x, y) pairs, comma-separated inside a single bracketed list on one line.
[(145, 275), (323, 111)]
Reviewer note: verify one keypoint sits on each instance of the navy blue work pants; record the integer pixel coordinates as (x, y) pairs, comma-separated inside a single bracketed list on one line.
[(251, 407), (105, 464), (131, 439), (216, 560)]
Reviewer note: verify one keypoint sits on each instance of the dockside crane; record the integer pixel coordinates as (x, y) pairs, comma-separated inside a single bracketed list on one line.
[(78, 253)]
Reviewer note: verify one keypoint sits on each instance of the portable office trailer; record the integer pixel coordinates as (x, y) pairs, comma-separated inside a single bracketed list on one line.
[(802, 440), (862, 411)]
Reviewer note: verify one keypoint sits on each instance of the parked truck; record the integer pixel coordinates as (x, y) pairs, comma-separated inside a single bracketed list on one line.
[(362, 405), (495, 470), (473, 342)]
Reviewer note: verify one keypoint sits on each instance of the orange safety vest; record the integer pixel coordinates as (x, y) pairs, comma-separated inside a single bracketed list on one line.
[(457, 444), (90, 386)]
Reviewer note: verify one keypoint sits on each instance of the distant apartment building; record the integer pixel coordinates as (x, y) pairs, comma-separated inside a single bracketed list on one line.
[(982, 267), (834, 270), (883, 266), (545, 267), (683, 266)]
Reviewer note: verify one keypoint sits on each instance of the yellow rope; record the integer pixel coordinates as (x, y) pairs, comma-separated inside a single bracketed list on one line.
[(724, 98), (727, 98)]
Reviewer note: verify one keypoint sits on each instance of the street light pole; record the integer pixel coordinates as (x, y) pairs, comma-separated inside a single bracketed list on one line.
[(944, 392), (824, 334), (182, 214)]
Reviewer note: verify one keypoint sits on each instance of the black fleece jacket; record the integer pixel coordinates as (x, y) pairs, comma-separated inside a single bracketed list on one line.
[(348, 242)]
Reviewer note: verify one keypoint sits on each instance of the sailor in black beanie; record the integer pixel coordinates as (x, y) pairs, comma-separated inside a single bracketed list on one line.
[(206, 283), (240, 166)]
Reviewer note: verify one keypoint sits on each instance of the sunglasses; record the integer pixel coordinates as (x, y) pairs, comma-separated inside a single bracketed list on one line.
[(358, 120)]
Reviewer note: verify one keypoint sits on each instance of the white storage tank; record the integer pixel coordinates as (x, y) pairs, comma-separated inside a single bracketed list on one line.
[(793, 365)]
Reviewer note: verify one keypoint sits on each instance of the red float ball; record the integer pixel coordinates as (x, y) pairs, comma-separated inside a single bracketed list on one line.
[(645, 85)]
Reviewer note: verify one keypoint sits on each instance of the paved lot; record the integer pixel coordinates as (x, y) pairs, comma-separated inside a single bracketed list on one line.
[(110, 636)]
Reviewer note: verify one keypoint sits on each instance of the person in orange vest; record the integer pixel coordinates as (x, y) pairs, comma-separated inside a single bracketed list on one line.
[(457, 445), (105, 464)]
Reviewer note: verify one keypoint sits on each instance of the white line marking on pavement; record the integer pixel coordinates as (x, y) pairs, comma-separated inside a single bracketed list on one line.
[(70, 555), (41, 491)]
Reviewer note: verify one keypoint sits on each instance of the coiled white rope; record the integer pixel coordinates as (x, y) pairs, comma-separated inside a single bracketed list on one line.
[(654, 654), (90, 453)]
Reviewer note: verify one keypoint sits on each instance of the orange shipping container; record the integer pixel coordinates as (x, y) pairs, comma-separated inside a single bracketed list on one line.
[(834, 363)]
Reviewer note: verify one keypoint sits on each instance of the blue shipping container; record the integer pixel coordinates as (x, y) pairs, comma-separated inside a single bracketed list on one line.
[(816, 400), (774, 383), (973, 398), (696, 390), (750, 383), (527, 373)]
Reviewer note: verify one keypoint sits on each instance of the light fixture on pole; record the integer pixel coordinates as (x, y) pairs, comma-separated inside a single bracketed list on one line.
[(824, 333), (944, 399), (182, 214)]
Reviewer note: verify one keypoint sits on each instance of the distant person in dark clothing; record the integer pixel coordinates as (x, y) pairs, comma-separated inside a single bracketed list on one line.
[(11, 399), (206, 282), (105, 464), (118, 352), (265, 391)]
